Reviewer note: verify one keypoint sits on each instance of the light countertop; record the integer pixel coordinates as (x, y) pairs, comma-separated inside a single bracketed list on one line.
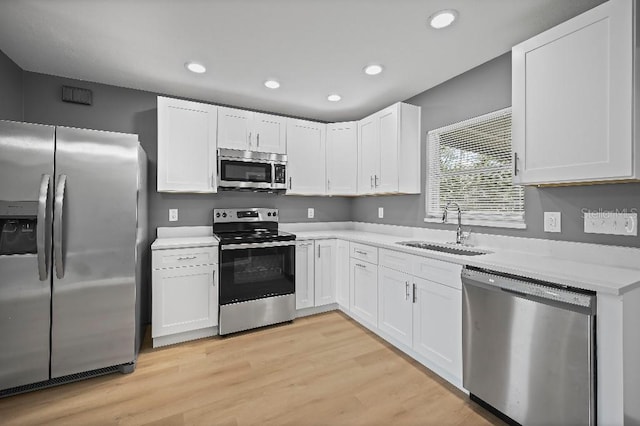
[(183, 242), (589, 276)]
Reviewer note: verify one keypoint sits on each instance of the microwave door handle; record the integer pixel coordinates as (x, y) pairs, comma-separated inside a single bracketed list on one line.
[(58, 222), (42, 227)]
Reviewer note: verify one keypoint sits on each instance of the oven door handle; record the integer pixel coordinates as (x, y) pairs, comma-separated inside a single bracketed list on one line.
[(243, 246)]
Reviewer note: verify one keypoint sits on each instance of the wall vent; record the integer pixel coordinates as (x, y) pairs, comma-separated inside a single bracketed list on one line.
[(77, 95)]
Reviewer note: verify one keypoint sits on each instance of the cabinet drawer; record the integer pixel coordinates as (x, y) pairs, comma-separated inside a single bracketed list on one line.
[(362, 252), (176, 258), (396, 260), (437, 271)]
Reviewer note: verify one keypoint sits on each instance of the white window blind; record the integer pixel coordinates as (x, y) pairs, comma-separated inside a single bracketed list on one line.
[(470, 163)]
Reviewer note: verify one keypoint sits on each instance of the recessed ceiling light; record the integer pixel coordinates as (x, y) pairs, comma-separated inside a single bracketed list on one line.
[(272, 84), (334, 98), (195, 67), (443, 18), (373, 69)]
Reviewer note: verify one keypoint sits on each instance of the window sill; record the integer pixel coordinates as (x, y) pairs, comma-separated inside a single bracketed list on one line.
[(479, 222)]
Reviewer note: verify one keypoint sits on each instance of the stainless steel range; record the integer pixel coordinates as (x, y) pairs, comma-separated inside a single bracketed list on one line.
[(257, 269)]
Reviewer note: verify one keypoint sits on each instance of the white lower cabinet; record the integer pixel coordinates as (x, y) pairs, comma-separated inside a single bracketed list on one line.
[(305, 274), (437, 325), (184, 298), (364, 292), (342, 274), (325, 272), (395, 304)]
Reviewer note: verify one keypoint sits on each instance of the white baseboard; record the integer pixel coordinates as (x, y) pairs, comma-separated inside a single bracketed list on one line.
[(172, 339), (316, 310)]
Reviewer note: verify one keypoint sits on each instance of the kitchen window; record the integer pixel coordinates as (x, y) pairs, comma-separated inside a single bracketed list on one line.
[(470, 163)]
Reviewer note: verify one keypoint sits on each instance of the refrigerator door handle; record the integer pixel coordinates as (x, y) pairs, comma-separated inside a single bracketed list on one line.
[(41, 228), (57, 226)]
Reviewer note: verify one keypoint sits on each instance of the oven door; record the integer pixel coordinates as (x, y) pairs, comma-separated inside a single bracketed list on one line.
[(238, 173), (256, 270)]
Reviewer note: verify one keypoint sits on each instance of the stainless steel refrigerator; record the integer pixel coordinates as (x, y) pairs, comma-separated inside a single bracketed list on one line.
[(72, 246)]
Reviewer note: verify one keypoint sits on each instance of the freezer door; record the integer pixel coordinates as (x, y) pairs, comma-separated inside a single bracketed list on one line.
[(94, 236), (26, 168)]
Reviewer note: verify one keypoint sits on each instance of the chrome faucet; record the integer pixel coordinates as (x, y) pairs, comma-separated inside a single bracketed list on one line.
[(444, 220)]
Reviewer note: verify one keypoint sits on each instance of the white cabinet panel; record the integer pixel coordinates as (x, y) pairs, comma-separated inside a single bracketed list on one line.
[(573, 100), (186, 146), (342, 274), (306, 157), (305, 274), (184, 299), (437, 325), (395, 305), (325, 272), (364, 292), (234, 128), (389, 151), (342, 158), (270, 133), (364, 252), (253, 131)]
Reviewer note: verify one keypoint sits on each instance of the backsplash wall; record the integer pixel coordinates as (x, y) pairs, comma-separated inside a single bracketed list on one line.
[(10, 89), (481, 90)]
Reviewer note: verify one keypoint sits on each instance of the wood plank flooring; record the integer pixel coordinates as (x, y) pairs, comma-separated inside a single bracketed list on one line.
[(320, 370)]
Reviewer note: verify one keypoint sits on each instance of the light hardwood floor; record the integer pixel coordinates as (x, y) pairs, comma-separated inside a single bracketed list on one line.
[(320, 370)]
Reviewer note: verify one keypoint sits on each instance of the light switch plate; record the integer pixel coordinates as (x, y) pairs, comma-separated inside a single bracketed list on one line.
[(311, 213), (612, 223), (552, 221), (380, 212), (173, 215)]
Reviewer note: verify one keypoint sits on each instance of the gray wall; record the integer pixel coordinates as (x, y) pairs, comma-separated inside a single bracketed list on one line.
[(133, 111), (10, 89), (481, 90)]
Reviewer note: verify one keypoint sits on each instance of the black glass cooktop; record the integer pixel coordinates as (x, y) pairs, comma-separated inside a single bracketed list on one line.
[(254, 236)]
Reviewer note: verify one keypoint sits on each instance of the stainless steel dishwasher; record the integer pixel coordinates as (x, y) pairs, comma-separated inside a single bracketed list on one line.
[(529, 348)]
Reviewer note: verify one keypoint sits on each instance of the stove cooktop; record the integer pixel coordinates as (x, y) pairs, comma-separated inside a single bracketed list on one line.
[(254, 236)]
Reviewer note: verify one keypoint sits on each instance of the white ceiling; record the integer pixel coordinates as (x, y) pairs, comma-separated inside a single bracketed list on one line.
[(313, 47)]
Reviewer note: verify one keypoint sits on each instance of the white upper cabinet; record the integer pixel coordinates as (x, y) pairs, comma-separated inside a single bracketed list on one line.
[(573, 94), (306, 157), (389, 151), (253, 131), (342, 158), (186, 146)]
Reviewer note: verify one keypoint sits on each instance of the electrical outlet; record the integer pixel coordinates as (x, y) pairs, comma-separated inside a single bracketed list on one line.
[(552, 221), (311, 213), (611, 223), (173, 215), (380, 212)]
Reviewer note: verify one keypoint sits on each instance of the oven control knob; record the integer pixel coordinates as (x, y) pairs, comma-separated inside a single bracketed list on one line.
[(224, 215), (269, 214), (217, 214), (274, 213)]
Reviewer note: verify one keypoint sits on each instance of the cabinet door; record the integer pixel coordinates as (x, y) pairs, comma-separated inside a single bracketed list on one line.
[(234, 128), (342, 274), (364, 292), (342, 158), (325, 272), (437, 325), (573, 99), (270, 133), (395, 314), (184, 299), (386, 179), (306, 157), (186, 146), (368, 154), (305, 274)]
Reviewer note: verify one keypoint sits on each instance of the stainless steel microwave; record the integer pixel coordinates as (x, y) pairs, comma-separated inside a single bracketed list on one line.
[(250, 170)]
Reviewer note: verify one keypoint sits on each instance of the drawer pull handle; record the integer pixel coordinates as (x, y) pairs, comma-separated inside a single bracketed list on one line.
[(360, 265), (187, 258), (406, 290), (362, 252)]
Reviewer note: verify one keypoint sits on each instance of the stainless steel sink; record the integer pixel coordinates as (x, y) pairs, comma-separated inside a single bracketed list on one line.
[(445, 248)]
